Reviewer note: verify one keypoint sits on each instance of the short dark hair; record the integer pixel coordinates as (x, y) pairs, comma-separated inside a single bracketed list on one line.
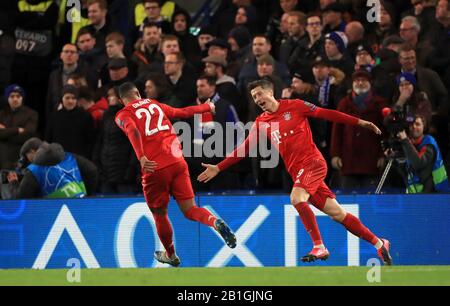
[(125, 88), (209, 79), (424, 121), (85, 93), (84, 31), (406, 47), (263, 83)]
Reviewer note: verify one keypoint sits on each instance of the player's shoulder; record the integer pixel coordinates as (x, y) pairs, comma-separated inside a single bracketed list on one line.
[(301, 104)]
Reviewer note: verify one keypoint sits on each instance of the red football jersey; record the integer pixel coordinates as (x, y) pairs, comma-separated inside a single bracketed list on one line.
[(289, 132), (156, 139)]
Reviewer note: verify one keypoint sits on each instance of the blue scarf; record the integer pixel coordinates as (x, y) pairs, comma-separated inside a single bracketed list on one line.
[(324, 93)]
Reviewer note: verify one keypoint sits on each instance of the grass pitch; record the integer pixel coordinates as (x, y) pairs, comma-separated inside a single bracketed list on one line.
[(272, 276)]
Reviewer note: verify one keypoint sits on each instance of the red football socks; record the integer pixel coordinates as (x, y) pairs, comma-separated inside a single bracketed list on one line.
[(309, 221), (201, 215), (165, 232), (354, 226)]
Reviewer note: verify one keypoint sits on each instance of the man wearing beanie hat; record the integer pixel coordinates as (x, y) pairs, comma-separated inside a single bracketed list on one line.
[(50, 172), (17, 123), (358, 171), (336, 52)]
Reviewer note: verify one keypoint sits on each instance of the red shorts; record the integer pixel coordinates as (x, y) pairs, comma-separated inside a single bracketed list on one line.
[(311, 178), (173, 180)]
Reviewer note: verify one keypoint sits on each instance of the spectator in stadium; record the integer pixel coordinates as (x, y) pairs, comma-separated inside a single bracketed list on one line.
[(118, 72), (309, 48), (246, 17), (359, 170), (429, 82), (99, 24), (52, 173), (388, 55), (261, 46), (17, 124), (383, 83), (337, 54), (220, 47), (355, 33), (410, 99), (215, 66), (58, 77), (77, 80), (117, 164), (205, 35), (224, 113), (409, 31), (425, 168), (276, 32), (153, 15), (91, 57), (72, 127), (332, 16), (182, 84), (425, 12), (86, 100), (147, 56), (115, 44), (388, 23), (439, 60), (240, 41), (296, 32), (158, 88), (181, 24), (170, 44)]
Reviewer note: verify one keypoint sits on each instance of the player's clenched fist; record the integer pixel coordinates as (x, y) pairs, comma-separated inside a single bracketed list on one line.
[(210, 172), (148, 166)]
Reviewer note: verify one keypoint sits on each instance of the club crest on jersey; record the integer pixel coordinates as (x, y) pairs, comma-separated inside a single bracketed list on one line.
[(287, 116)]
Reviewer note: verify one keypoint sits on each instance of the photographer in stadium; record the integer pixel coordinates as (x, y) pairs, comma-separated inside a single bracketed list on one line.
[(50, 172), (424, 165)]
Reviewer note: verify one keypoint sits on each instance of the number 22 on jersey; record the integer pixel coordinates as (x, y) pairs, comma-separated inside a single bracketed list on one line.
[(148, 118)]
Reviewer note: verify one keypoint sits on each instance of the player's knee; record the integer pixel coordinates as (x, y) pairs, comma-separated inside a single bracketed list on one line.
[(338, 215), (159, 211), (188, 213), (298, 198)]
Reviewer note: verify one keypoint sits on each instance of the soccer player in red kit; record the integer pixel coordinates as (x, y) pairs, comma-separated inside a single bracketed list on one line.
[(285, 123), (165, 172)]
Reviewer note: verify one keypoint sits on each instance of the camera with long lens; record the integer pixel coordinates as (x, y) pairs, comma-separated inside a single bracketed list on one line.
[(398, 120)]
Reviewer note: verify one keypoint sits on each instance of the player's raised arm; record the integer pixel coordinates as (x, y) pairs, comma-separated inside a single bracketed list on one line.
[(187, 112), (339, 117)]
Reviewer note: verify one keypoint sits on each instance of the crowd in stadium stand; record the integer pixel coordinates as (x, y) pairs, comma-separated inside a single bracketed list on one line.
[(336, 54)]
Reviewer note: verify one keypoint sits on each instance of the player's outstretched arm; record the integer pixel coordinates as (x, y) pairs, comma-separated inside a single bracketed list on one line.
[(369, 125), (339, 117), (210, 172), (188, 112)]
